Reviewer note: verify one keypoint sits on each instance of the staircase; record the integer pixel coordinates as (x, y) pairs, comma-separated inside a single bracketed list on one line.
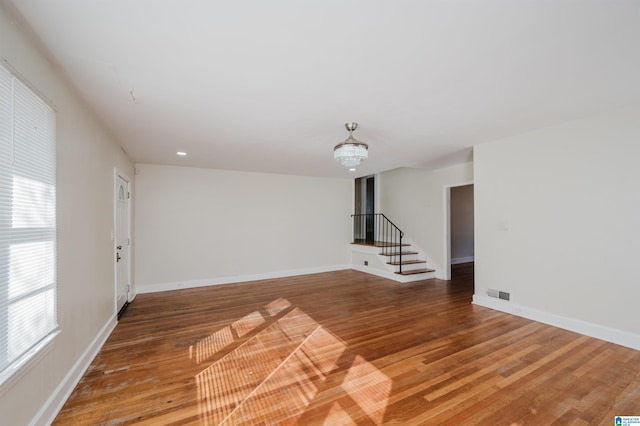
[(375, 233), (392, 253)]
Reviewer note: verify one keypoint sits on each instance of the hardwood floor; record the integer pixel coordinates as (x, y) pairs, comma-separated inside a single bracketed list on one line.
[(345, 348)]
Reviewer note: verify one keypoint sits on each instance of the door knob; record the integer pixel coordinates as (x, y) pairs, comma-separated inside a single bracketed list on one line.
[(119, 247), (118, 257)]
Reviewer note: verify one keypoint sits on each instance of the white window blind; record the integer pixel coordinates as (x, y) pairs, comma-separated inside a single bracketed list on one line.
[(27, 223)]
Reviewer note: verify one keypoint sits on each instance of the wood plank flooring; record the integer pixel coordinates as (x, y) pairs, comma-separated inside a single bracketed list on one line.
[(344, 348)]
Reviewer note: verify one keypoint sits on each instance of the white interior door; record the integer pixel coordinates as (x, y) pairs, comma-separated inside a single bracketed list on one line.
[(122, 242)]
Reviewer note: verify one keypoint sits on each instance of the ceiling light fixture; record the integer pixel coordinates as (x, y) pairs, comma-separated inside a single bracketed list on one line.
[(181, 154), (351, 152)]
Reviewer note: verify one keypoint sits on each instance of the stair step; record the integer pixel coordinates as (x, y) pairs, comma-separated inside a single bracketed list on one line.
[(415, 271), (379, 243), (407, 262), (404, 253)]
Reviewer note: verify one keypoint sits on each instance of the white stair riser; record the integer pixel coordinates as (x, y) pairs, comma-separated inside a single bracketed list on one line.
[(405, 258), (410, 267)]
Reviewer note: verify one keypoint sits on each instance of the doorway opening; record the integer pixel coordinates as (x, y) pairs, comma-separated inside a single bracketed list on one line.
[(459, 229), (365, 206)]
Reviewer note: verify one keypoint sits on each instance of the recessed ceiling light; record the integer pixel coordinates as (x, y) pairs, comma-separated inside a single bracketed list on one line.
[(181, 153), (352, 169)]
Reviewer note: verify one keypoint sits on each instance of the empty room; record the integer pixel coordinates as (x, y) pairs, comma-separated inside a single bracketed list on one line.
[(319, 213)]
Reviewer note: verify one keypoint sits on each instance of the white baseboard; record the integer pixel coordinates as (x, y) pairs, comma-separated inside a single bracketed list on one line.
[(458, 260), (153, 288), (619, 337), (52, 407)]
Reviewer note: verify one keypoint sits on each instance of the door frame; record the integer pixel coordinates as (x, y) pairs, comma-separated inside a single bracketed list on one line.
[(446, 273), (116, 174)]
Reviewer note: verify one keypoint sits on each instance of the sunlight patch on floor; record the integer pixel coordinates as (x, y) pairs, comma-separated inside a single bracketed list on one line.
[(276, 374), (369, 388), (209, 346)]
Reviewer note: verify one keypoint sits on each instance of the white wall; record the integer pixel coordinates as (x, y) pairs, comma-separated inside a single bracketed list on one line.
[(86, 156), (414, 200), (570, 197), (201, 226), (462, 247)]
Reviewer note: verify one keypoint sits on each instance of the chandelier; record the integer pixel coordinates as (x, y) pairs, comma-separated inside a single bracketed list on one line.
[(351, 152)]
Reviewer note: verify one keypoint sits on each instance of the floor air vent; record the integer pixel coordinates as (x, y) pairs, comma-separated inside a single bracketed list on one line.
[(498, 294)]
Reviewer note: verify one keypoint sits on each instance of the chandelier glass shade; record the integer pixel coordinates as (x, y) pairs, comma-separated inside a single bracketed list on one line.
[(351, 152)]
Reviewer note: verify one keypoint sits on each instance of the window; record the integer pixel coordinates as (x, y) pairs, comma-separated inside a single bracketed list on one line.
[(27, 226)]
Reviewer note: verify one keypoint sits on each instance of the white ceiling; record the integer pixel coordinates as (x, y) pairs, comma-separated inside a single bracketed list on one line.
[(268, 85)]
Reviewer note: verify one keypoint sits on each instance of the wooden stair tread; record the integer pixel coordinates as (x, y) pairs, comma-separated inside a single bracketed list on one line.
[(404, 253), (379, 243), (415, 271), (407, 262)]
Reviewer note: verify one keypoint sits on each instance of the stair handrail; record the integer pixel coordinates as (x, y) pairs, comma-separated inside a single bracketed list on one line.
[(378, 230)]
